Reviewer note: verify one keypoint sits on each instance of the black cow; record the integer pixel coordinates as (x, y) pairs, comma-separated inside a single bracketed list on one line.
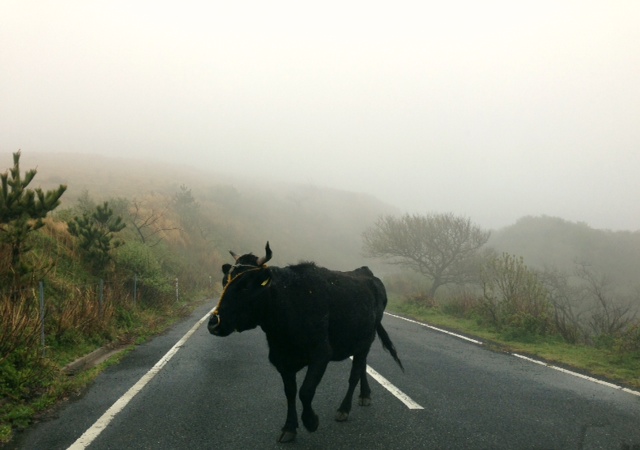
[(311, 315)]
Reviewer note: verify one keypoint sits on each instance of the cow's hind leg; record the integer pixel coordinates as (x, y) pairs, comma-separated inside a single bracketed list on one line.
[(365, 390), (358, 371), (291, 425)]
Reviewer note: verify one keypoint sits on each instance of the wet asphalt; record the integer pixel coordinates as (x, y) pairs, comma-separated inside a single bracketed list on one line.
[(222, 393)]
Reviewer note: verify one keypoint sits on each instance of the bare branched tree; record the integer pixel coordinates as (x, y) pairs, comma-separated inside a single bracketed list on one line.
[(442, 247), (564, 297), (611, 315), (588, 308), (148, 224)]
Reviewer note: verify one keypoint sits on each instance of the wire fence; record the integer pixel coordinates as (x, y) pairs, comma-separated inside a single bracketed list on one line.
[(54, 311)]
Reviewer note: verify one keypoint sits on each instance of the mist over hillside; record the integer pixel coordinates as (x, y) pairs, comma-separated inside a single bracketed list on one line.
[(557, 243), (308, 222), (302, 222)]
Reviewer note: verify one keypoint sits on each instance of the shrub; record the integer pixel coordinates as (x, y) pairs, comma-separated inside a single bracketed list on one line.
[(513, 297), (628, 342)]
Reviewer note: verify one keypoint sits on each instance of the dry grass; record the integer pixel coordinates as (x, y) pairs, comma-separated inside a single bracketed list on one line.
[(20, 323), (81, 312)]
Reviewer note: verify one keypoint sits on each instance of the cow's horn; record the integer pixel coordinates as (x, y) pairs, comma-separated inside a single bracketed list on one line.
[(234, 255), (265, 258)]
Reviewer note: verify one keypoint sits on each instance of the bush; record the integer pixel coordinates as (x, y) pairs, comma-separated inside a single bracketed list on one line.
[(628, 342), (21, 374), (513, 297)]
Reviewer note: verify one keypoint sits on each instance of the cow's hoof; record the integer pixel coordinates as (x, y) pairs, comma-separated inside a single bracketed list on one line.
[(287, 436), (310, 421), (364, 401), (342, 416)]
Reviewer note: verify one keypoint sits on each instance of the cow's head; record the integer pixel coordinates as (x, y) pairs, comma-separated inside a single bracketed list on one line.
[(244, 285)]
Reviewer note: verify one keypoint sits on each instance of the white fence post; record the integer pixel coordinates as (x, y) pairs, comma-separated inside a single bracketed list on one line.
[(42, 337), (135, 288), (101, 298)]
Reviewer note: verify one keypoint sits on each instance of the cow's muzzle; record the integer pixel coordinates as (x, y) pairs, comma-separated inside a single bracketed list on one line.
[(214, 323)]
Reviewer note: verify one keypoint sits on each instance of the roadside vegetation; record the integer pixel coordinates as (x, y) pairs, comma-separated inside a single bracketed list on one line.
[(90, 275), (578, 318), (112, 255), (117, 251)]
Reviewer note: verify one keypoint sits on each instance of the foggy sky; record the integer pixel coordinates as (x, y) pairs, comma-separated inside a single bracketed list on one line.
[(492, 110)]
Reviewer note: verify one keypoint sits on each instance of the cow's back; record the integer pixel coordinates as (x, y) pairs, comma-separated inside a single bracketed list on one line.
[(356, 302), (312, 304)]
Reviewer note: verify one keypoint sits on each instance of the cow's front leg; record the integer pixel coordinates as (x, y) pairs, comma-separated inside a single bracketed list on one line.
[(290, 389), (308, 389)]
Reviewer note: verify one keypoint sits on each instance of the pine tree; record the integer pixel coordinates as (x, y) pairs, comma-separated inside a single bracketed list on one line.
[(95, 232), (22, 210)]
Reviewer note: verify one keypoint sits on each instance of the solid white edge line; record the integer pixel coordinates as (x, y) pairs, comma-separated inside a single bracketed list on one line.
[(94, 431), (459, 336), (578, 375), (535, 361)]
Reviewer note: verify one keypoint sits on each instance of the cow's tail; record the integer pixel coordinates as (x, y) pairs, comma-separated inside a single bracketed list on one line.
[(387, 344)]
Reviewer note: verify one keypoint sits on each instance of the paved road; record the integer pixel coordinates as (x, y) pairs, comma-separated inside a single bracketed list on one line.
[(221, 393)]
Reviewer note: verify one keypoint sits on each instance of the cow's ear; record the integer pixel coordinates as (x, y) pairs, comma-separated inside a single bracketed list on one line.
[(264, 279), (225, 268)]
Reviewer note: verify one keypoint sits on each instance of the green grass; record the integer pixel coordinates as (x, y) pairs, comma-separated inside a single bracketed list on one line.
[(603, 363)]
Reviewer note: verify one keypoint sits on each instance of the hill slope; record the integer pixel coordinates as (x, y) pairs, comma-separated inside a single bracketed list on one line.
[(300, 221), (551, 241)]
